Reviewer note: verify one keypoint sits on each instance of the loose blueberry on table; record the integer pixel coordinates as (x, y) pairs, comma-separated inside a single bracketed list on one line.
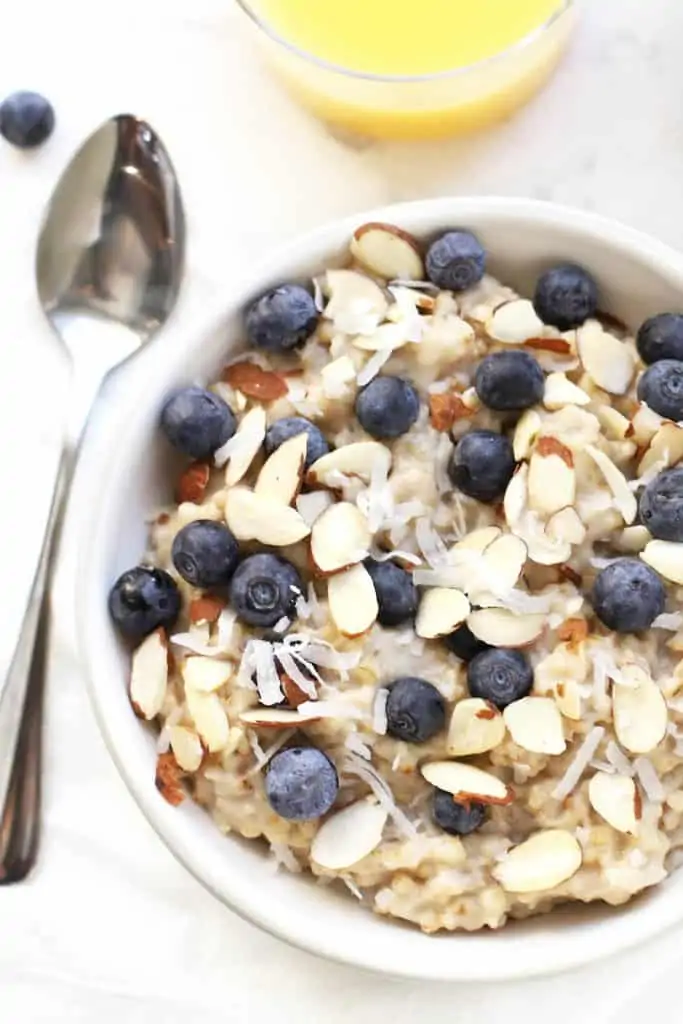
[(27, 119)]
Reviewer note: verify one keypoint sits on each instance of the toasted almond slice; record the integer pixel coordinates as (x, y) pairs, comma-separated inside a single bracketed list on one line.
[(640, 716), (527, 430), (644, 424), (445, 408), (552, 479), (514, 322), (666, 448), (187, 747), (340, 537), (504, 560), (608, 360), (633, 539), (276, 718), (441, 611), (248, 440), (311, 505), (337, 376), (253, 516), (209, 717), (535, 724), (516, 496), (541, 863), (388, 252), (357, 460), (476, 726), (615, 799), (167, 779), (149, 675), (193, 483), (281, 475), (567, 695), (666, 558), (466, 782), (559, 391), (624, 498), (349, 835), (352, 600), (252, 380), (541, 547), (502, 628), (615, 426), (206, 674), (566, 526), (386, 338), (478, 540), (356, 304)]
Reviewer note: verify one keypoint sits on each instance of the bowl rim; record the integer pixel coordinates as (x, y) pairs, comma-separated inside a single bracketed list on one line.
[(615, 933)]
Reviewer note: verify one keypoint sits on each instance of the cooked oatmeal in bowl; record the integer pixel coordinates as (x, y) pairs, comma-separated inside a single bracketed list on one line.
[(413, 620)]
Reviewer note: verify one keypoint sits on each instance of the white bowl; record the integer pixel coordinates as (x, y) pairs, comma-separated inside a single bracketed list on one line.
[(124, 474)]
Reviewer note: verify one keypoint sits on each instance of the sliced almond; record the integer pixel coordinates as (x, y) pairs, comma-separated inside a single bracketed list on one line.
[(187, 747), (276, 718), (552, 479), (516, 496), (514, 322), (356, 303), (476, 726), (340, 537), (541, 547), (535, 724), (503, 561), (356, 460), (441, 611), (246, 443), (633, 539), (615, 425), (560, 391), (311, 505), (608, 360), (666, 558), (386, 338), (336, 377), (615, 799), (665, 449), (209, 717), (644, 424), (502, 628), (252, 380), (640, 716), (527, 430), (253, 516), (566, 526), (281, 475), (567, 695), (206, 608), (541, 863), (167, 779), (478, 540), (149, 675), (206, 674), (349, 835), (624, 498), (353, 601), (193, 483), (388, 252), (445, 409), (466, 782)]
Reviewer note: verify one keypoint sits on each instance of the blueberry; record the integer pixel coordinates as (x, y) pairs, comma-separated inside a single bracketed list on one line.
[(482, 465), (464, 644), (566, 296), (456, 260), (416, 711), (301, 783), (197, 422), (265, 589), (387, 407), (509, 381), (205, 553), (661, 505), (500, 676), (454, 818), (26, 119), (143, 599), (661, 337), (661, 387), (282, 430), (282, 318), (628, 596), (396, 592)]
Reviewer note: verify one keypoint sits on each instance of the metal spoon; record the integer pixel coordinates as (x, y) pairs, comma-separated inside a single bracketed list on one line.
[(109, 267)]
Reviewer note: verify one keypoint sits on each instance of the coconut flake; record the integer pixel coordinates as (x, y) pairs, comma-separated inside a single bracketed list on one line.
[(354, 765), (264, 756), (618, 759), (374, 365), (284, 857), (395, 553), (356, 745), (579, 763), (649, 779), (353, 888), (329, 709), (668, 620), (379, 711), (430, 544)]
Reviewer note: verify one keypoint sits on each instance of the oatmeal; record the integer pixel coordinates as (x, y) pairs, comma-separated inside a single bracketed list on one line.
[(413, 621)]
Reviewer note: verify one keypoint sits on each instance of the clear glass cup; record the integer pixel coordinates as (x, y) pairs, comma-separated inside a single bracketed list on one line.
[(419, 106)]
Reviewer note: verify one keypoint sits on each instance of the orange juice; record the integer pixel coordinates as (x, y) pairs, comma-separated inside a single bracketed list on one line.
[(413, 67)]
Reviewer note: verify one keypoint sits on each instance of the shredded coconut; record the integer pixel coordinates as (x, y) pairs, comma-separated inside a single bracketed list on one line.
[(649, 779), (264, 756), (430, 543), (356, 745), (379, 711), (352, 887), (618, 759), (283, 856), (580, 762), (373, 366), (354, 765)]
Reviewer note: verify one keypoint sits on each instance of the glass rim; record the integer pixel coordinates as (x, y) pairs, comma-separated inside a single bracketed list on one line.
[(527, 40)]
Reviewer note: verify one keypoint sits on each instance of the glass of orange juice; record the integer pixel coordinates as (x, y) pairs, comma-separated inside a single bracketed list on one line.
[(412, 68)]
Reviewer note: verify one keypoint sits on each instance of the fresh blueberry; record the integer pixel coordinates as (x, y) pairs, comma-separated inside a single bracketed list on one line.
[(628, 596), (396, 592), (661, 337), (416, 711), (265, 589), (456, 260), (27, 119), (454, 818), (482, 465), (205, 553), (143, 599), (301, 783), (197, 422), (661, 505), (387, 407), (500, 676), (283, 430), (566, 296), (661, 387), (464, 644), (282, 318), (509, 381)]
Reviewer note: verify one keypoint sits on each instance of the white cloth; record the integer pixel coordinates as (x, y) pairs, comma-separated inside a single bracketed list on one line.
[(110, 928)]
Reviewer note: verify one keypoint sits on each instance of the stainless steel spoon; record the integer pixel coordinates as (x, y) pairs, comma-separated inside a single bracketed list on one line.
[(109, 267)]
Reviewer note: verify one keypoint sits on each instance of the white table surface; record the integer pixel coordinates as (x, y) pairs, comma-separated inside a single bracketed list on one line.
[(110, 928)]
